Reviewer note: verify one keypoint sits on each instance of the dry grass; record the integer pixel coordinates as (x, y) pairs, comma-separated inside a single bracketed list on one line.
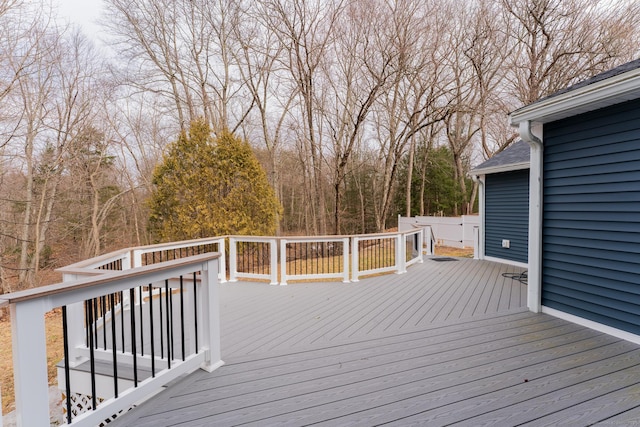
[(457, 252)]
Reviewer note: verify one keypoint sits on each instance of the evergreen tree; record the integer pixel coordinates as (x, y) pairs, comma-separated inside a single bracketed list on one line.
[(209, 186), (442, 195)]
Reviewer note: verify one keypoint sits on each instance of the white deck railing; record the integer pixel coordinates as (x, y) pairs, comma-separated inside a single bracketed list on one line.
[(121, 288), (79, 297), (314, 258)]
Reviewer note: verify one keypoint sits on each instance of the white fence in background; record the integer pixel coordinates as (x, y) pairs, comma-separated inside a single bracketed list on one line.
[(456, 232)]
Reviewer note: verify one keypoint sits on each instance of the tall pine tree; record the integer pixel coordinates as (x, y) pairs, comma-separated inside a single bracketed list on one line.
[(211, 186)]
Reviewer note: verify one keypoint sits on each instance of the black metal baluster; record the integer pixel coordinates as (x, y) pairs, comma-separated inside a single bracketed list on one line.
[(195, 308), (87, 325), (258, 255), (132, 312), (153, 354), (113, 345), (169, 324), (122, 321), (67, 380), (92, 360), (103, 310), (94, 322), (161, 330), (182, 316), (140, 291)]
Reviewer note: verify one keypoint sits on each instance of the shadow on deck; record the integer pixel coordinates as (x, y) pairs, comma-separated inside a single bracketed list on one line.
[(445, 343)]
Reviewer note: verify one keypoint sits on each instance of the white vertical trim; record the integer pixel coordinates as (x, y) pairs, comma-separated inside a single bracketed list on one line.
[(534, 288), (479, 252)]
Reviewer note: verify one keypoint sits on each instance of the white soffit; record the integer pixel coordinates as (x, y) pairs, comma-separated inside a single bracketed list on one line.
[(614, 90)]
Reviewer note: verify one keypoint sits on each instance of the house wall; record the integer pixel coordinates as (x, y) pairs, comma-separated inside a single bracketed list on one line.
[(507, 215), (591, 220)]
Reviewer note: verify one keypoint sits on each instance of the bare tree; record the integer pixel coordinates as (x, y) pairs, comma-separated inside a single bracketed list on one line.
[(268, 84), (414, 99), (361, 68), (305, 29), (559, 42)]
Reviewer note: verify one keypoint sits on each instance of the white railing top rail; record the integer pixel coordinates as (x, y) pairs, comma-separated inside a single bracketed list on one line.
[(56, 295), (178, 244), (93, 263)]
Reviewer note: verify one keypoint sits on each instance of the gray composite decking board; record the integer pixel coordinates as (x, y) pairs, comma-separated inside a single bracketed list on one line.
[(528, 401), (491, 367), (353, 362), (267, 390), (430, 298), (467, 294), (434, 335), (357, 308), (447, 401), (602, 396), (310, 407), (625, 417), (448, 341)]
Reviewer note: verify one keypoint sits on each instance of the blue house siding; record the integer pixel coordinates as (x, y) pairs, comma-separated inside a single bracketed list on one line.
[(507, 214), (591, 220)]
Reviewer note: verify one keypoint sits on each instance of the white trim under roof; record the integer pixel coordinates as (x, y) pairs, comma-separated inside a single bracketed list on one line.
[(500, 168), (613, 90)]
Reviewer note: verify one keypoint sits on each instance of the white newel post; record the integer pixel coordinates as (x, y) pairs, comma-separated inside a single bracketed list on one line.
[(210, 316), (401, 256), (283, 262), (354, 259), (345, 260), (233, 259), (420, 245), (30, 363), (222, 265), (273, 249), (137, 258)]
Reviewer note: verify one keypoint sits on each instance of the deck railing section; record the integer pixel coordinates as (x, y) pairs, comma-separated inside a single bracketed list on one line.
[(253, 258), (374, 254), (314, 258), (413, 246), (153, 254), (168, 326)]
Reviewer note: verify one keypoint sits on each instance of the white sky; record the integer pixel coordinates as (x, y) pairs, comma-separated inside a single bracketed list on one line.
[(84, 13)]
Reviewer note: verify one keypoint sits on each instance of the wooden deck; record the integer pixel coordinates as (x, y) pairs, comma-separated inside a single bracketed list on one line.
[(446, 343)]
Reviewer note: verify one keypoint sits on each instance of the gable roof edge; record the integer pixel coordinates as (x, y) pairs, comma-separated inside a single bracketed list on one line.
[(500, 168), (616, 89)]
